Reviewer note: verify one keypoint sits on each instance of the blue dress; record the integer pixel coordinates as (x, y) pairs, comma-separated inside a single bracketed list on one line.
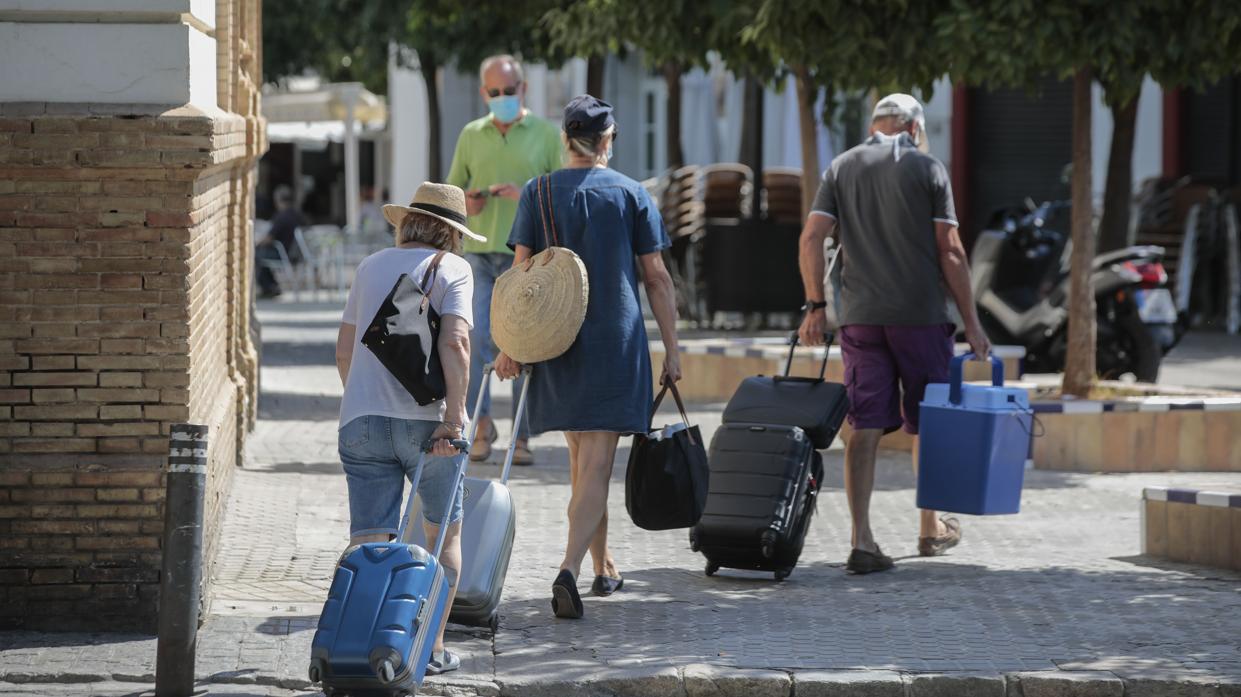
[(603, 382)]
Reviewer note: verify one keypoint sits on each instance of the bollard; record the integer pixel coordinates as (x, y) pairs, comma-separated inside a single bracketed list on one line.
[(181, 577)]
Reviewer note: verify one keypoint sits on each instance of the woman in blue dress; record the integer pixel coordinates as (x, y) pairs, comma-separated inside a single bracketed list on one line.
[(601, 388)]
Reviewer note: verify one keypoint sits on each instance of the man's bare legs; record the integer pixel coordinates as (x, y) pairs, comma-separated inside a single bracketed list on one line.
[(860, 453)]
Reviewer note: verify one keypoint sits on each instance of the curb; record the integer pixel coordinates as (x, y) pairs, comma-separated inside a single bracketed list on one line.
[(705, 680)]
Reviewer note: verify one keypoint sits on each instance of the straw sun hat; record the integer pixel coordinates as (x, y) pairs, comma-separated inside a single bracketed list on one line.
[(441, 201)]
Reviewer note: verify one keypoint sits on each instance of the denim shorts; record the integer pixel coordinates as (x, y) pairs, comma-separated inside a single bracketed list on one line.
[(379, 453)]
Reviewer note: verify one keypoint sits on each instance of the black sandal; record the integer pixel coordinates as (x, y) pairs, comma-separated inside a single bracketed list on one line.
[(566, 602)]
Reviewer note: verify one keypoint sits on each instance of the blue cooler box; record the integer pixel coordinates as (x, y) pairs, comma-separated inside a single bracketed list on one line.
[(973, 444)]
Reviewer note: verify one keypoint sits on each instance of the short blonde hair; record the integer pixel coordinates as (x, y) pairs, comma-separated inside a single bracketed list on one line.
[(425, 229), (589, 145)]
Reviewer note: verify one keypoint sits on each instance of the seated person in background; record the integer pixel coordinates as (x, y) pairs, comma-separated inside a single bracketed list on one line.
[(283, 224)]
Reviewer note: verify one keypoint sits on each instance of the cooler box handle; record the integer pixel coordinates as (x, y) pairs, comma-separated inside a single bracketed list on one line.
[(956, 369)]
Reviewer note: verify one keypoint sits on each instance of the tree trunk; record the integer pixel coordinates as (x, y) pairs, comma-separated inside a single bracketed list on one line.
[(1079, 368), (672, 76), (594, 76), (429, 66), (807, 94), (1118, 195)]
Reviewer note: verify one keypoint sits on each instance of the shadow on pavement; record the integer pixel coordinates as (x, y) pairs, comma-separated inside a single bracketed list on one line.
[(1138, 620), (295, 353)]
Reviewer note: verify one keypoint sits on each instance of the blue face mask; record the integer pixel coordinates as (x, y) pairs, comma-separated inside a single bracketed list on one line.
[(505, 109)]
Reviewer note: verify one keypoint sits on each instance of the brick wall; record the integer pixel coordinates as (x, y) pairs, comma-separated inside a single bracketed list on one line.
[(124, 287)]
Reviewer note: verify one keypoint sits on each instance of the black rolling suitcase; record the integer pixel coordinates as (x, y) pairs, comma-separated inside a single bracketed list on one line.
[(817, 406), (765, 479)]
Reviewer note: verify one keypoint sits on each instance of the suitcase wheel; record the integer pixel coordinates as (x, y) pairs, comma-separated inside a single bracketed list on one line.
[(769, 544), (712, 567), (782, 574), (693, 541), (494, 623)]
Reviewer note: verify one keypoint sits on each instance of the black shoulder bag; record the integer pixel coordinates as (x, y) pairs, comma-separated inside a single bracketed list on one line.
[(405, 333), (666, 482)]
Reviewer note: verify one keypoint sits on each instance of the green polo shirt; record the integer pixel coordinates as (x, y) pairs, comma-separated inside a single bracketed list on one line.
[(484, 157)]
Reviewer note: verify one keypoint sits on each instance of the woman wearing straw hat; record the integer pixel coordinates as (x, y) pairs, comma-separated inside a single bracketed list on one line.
[(601, 387), (382, 427)]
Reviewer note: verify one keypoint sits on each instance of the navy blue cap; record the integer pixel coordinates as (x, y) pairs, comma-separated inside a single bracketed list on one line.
[(587, 115)]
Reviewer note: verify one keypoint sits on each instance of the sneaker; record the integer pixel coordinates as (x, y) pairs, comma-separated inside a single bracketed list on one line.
[(443, 662), (863, 562)]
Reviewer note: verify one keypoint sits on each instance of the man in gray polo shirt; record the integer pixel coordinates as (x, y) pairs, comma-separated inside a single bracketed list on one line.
[(891, 208)]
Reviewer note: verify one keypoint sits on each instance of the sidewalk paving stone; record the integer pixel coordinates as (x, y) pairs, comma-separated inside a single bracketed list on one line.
[(1048, 598)]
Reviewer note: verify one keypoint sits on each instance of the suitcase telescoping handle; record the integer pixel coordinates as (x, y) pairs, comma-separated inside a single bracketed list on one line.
[(828, 338), (462, 457), (517, 419), (957, 369)]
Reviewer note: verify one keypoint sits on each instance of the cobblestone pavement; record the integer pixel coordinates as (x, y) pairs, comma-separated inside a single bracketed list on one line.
[(1060, 587)]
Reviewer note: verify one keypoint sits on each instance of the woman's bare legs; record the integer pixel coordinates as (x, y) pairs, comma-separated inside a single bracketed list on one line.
[(593, 453), (600, 555)]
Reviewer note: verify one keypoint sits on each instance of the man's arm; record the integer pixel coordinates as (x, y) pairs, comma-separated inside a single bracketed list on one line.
[(954, 265), (811, 261)]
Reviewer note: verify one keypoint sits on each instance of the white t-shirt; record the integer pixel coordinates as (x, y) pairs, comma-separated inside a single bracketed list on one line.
[(370, 388)]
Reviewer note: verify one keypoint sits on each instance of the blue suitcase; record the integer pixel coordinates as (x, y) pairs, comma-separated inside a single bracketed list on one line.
[(384, 607), (973, 444)]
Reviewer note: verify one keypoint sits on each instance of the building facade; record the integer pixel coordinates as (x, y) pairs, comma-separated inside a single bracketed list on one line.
[(129, 132)]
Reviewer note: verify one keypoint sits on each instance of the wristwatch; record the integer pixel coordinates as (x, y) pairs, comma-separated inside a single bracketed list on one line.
[(812, 305)]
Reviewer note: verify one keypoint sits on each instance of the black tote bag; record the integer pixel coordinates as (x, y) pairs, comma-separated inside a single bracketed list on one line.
[(404, 335), (666, 482)]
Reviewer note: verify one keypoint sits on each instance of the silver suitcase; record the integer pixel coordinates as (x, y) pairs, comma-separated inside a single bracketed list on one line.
[(486, 536)]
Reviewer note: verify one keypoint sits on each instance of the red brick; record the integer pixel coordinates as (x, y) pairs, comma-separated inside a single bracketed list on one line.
[(52, 479), (155, 495), (54, 527), (53, 445), (124, 428), (166, 379), (116, 511), (14, 428), (53, 363), (127, 411), (122, 265), (14, 577), (53, 396), (52, 430), (125, 542), (15, 396), (122, 346), (119, 362), (17, 363), (11, 511), (166, 412), (118, 495), (54, 330), (45, 576), (118, 445), (87, 346), (57, 413), (60, 313), (48, 495), (120, 395), (119, 329), (124, 478), (117, 575), (112, 281), (55, 379), (120, 314)]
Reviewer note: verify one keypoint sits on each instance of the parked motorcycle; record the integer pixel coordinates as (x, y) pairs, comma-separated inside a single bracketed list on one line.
[(1020, 278)]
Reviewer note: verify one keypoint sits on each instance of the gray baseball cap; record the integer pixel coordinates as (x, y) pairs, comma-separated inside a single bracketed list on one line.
[(902, 105)]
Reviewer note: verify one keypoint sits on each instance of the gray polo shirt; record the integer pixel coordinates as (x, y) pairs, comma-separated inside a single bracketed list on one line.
[(885, 197)]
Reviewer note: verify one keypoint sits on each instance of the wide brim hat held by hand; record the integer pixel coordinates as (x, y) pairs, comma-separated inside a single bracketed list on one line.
[(443, 202), (537, 308)]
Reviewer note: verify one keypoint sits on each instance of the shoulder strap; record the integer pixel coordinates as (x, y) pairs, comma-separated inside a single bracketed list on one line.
[(432, 270), (547, 215)]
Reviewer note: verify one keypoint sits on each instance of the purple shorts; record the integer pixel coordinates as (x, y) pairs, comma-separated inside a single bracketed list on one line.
[(882, 362)]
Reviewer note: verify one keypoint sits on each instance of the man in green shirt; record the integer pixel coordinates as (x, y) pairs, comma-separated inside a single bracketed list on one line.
[(495, 156)]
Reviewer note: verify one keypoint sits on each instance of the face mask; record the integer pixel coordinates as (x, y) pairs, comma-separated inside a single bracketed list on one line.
[(608, 154), (505, 108)]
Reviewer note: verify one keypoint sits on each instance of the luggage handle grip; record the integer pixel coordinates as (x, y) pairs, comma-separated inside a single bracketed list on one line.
[(956, 370), (828, 338)]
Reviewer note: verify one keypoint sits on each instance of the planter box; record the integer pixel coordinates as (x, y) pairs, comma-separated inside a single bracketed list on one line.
[(1197, 527), (1148, 434)]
